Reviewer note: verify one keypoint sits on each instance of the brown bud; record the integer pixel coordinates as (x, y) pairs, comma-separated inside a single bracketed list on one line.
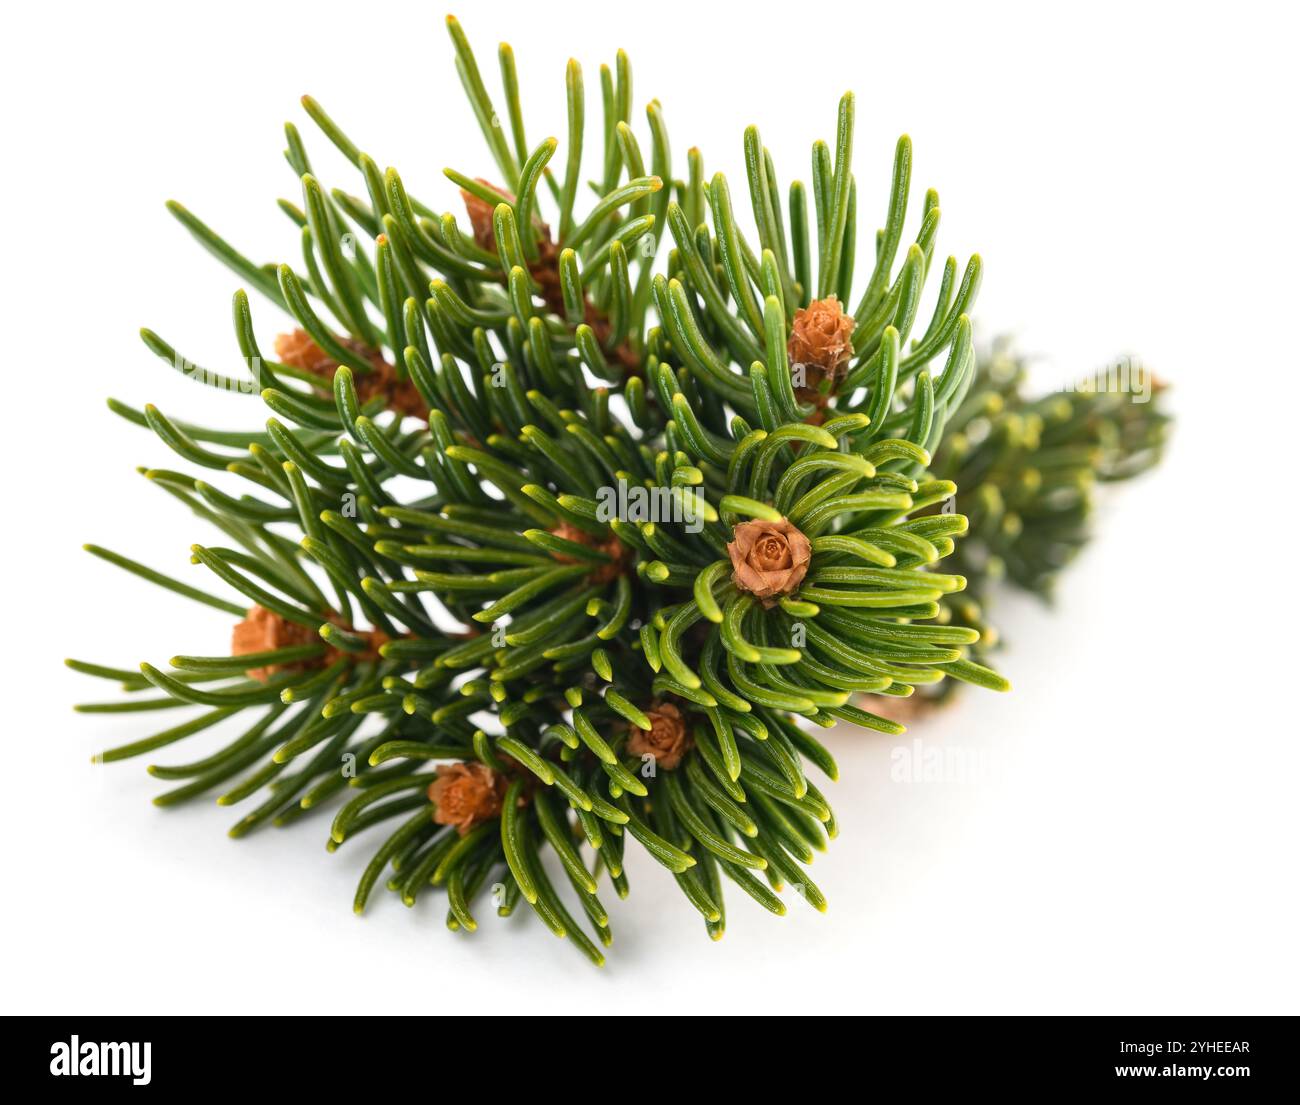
[(466, 794), (299, 350), (768, 558), (820, 340), (263, 630), (612, 547), (666, 739), (480, 213)]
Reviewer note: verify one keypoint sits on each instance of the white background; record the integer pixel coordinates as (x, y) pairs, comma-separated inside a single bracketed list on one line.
[(1128, 173)]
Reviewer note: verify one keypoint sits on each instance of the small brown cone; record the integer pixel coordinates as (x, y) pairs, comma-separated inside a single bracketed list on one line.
[(768, 559), (263, 630), (298, 350), (821, 341), (467, 794), (666, 739), (480, 213)]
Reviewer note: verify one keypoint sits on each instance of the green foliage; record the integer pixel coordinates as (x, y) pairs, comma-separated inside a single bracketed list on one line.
[(466, 596), (1028, 469)]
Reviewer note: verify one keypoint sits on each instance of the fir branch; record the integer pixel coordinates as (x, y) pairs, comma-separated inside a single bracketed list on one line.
[(604, 535)]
